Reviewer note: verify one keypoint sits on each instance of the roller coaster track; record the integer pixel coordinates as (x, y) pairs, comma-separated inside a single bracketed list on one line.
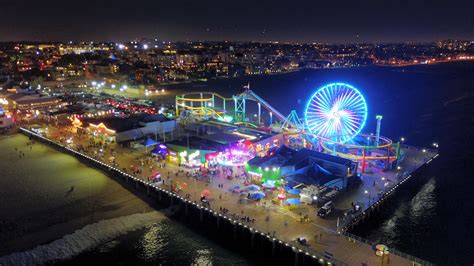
[(203, 111), (249, 94), (202, 99)]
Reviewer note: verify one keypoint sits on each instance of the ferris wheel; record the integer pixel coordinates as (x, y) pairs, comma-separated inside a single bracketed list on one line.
[(336, 111)]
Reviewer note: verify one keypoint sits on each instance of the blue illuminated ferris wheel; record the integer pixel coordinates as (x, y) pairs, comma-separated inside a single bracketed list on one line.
[(336, 111)]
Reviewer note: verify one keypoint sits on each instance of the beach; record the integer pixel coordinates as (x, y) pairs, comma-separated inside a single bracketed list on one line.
[(40, 207)]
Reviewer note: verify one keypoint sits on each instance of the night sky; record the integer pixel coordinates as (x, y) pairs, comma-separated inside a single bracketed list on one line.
[(257, 20)]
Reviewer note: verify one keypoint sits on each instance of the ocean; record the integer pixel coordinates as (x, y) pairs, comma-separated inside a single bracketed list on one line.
[(423, 104)]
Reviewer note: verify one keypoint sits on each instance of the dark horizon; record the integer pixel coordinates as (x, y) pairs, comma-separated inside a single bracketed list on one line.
[(305, 22), (146, 39)]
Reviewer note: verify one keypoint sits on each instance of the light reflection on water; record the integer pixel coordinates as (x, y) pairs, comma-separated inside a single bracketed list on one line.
[(164, 243)]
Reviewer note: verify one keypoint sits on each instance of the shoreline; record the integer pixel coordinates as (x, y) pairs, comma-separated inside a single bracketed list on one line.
[(82, 239), (62, 218)]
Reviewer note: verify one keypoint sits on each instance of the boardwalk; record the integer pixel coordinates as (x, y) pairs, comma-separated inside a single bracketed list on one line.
[(278, 221)]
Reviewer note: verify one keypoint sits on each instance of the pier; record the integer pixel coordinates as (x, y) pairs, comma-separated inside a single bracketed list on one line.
[(272, 230)]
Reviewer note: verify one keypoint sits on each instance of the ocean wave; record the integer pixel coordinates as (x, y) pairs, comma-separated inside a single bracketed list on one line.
[(424, 200), (88, 237)]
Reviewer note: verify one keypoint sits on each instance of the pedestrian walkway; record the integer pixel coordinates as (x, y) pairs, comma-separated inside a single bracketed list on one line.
[(273, 219)]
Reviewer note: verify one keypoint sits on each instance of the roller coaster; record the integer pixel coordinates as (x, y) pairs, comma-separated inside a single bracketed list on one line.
[(359, 147)]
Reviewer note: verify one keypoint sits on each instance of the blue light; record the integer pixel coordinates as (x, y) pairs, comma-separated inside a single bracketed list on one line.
[(336, 111)]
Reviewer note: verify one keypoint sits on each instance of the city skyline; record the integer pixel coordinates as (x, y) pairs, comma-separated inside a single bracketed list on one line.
[(236, 132), (350, 22)]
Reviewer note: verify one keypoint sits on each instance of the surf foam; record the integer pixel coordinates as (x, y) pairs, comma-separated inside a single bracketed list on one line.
[(88, 237)]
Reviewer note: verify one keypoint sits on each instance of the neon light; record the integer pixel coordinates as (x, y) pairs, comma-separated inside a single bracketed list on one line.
[(225, 118), (249, 137), (254, 173), (101, 127), (193, 155), (337, 111)]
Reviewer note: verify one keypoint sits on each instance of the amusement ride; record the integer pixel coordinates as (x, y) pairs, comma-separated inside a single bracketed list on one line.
[(334, 118)]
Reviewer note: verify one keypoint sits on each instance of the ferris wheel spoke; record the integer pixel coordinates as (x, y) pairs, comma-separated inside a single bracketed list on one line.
[(336, 110)]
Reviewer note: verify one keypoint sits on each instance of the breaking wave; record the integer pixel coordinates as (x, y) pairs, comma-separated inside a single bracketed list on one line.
[(425, 200), (88, 237)]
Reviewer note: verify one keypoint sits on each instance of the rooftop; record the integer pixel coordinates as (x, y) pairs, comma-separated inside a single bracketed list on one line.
[(305, 153)]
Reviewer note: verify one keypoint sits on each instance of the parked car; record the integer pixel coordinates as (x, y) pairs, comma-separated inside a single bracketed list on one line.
[(326, 209)]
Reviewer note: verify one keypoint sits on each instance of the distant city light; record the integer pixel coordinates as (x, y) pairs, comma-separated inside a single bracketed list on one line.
[(145, 46)]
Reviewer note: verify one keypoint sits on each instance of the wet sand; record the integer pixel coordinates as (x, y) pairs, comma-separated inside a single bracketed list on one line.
[(37, 205)]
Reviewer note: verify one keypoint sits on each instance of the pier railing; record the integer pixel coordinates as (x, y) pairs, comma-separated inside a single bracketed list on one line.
[(415, 260), (300, 248), (379, 199), (322, 258)]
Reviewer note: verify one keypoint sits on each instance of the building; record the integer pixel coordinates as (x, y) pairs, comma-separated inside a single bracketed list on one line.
[(317, 168), (263, 169), (30, 102), (126, 130), (6, 120)]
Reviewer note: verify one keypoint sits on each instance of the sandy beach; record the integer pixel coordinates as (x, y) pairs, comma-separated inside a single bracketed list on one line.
[(38, 207)]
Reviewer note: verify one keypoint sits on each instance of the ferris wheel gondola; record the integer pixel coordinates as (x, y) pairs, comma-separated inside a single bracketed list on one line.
[(336, 111)]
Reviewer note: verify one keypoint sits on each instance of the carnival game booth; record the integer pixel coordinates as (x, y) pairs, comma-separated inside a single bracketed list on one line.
[(188, 158), (230, 149), (189, 152), (262, 169), (267, 169), (102, 132), (160, 151), (254, 140), (259, 142)]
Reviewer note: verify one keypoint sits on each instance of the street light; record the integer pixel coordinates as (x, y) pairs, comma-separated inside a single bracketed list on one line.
[(402, 139)]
